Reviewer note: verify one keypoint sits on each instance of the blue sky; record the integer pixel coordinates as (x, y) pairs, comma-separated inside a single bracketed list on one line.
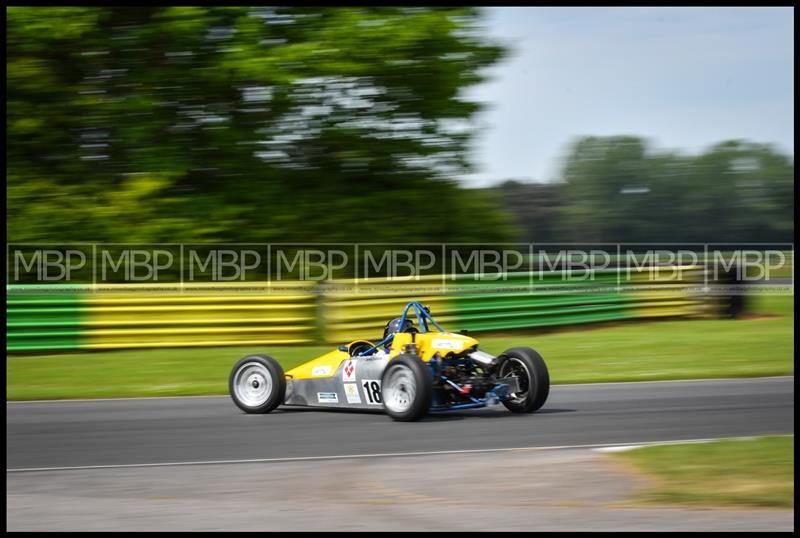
[(685, 78)]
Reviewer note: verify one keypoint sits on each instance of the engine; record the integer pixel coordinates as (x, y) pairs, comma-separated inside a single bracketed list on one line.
[(461, 376)]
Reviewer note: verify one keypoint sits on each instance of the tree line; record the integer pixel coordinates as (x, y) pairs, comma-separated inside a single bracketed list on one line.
[(619, 189)]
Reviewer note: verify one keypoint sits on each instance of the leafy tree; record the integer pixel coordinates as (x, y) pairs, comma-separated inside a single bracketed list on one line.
[(604, 178), (536, 208), (617, 190), (244, 124), (740, 191)]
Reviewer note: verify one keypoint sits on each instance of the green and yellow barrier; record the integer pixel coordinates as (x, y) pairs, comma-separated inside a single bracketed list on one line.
[(43, 322), (355, 309), (116, 316), (161, 315)]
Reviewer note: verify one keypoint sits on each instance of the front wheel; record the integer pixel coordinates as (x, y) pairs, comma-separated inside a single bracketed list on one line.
[(406, 388), (257, 384), (531, 372)]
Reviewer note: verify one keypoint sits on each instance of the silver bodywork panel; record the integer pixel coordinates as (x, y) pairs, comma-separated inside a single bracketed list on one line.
[(360, 390)]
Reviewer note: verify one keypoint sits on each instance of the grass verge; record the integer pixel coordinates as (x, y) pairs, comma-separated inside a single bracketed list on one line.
[(731, 472), (658, 350)]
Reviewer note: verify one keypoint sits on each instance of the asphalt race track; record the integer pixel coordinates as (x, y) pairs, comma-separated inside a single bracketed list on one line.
[(211, 429)]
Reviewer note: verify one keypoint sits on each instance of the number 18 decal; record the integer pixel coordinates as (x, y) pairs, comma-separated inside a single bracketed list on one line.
[(372, 391)]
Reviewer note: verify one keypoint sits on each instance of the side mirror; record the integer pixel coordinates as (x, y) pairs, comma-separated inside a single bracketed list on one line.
[(343, 348), (463, 331)]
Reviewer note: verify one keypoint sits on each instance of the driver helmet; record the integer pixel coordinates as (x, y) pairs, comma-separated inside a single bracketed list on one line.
[(394, 326)]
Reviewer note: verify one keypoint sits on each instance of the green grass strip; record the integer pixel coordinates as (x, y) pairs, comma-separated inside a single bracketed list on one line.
[(732, 472)]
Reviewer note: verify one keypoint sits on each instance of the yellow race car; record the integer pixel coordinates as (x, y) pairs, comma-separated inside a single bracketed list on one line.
[(411, 371)]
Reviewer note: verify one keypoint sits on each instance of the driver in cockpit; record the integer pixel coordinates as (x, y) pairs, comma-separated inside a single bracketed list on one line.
[(395, 326)]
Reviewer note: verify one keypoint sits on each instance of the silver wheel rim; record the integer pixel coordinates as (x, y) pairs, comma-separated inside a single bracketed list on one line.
[(512, 367), (399, 389), (252, 384)]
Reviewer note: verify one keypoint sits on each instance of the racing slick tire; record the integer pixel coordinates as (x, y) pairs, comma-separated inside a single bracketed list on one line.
[(257, 384), (534, 379), (406, 388)]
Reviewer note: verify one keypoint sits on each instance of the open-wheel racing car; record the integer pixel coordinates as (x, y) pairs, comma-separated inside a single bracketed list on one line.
[(413, 370)]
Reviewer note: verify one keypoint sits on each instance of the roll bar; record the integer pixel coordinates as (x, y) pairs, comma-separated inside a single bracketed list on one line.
[(423, 316)]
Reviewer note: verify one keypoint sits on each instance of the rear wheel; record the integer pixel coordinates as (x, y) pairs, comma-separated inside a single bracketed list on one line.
[(531, 372), (406, 388), (257, 384)]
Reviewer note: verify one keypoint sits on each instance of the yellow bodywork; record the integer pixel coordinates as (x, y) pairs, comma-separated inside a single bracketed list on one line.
[(428, 344), (323, 366)]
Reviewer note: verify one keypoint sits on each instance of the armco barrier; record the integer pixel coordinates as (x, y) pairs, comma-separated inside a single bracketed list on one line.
[(117, 316), (667, 291), (43, 318), (357, 309), (352, 309), (524, 300), (42, 322)]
